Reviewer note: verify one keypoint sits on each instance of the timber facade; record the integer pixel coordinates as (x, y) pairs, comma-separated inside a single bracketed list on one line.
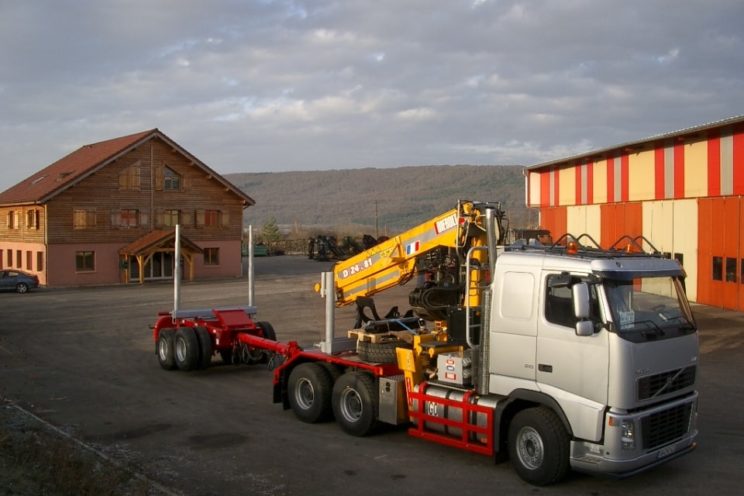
[(106, 213)]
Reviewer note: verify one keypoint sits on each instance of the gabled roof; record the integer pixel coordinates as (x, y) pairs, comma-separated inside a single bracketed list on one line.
[(156, 239), (681, 134), (86, 160)]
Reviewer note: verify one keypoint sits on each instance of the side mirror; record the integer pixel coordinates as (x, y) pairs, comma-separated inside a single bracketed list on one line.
[(580, 294), (584, 328)]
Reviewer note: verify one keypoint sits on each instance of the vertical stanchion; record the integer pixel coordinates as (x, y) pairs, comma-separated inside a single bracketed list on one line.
[(251, 273), (329, 290), (177, 272)]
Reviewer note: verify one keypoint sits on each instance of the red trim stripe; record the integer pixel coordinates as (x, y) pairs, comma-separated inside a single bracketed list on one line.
[(625, 177), (714, 163), (545, 188)]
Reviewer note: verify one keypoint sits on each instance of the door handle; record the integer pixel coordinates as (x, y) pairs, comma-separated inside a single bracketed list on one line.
[(542, 367)]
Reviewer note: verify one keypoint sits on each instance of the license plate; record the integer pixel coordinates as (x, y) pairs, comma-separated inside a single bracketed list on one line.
[(666, 451)]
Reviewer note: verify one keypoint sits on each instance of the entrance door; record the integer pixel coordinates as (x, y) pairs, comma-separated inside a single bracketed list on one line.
[(159, 266)]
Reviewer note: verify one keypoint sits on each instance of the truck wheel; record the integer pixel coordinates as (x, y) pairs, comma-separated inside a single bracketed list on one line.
[(355, 403), (164, 348), (538, 446), (187, 349), (310, 388), (268, 330), (205, 347), (379, 352)]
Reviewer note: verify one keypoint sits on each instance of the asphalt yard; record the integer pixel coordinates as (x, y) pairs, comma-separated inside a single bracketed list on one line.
[(83, 362)]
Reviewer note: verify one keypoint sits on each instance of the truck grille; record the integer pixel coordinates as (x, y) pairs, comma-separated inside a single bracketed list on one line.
[(666, 382), (665, 426)]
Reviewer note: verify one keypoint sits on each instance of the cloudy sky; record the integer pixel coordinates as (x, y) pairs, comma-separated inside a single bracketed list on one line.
[(264, 85)]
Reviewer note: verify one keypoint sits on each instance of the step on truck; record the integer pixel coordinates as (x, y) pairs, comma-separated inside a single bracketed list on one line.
[(556, 357)]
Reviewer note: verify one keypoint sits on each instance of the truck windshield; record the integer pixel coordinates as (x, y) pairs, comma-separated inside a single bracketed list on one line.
[(649, 308)]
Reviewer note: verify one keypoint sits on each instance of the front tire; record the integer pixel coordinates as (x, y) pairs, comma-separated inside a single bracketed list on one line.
[(21, 288), (539, 446), (355, 403), (310, 386), (187, 349)]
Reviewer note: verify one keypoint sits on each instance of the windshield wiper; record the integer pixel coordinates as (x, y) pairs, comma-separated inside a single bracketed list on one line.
[(653, 326)]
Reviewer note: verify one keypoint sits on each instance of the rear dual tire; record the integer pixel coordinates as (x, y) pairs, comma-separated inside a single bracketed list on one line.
[(185, 348), (355, 403), (310, 387)]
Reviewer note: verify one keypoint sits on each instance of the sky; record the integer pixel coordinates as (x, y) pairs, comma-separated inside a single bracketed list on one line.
[(271, 85)]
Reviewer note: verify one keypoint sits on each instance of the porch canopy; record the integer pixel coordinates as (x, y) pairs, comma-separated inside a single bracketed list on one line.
[(144, 248)]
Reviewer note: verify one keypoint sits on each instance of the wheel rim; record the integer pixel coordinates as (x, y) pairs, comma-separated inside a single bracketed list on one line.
[(163, 349), (22, 288), (304, 393), (530, 448), (351, 405), (180, 349)]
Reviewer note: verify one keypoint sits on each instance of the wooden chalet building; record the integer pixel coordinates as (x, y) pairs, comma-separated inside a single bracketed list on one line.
[(106, 213)]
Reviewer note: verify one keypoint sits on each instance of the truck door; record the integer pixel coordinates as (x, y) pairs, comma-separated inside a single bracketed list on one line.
[(575, 365)]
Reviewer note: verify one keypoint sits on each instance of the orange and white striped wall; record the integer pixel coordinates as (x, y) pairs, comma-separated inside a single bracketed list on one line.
[(683, 191)]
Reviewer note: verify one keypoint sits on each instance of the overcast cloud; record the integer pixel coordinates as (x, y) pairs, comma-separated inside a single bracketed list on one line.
[(262, 85)]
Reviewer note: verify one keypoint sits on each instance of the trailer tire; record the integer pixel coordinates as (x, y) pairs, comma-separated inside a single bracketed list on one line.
[(268, 330), (165, 349), (355, 403), (205, 347), (539, 446), (310, 388), (380, 352), (186, 349)]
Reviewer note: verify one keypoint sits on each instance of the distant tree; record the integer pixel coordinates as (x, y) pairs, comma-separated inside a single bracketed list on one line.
[(270, 232)]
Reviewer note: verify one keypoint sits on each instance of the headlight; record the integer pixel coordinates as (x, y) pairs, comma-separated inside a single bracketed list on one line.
[(627, 434)]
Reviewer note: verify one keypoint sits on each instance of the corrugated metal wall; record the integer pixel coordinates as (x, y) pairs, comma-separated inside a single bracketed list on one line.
[(682, 193)]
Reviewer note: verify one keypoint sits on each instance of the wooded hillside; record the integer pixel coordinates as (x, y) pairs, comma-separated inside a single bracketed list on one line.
[(403, 196)]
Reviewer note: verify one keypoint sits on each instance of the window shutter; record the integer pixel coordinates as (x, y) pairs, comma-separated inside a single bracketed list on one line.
[(37, 219), (200, 218), (225, 214), (136, 175), (10, 220), (187, 218), (123, 179), (159, 178), (159, 217), (115, 218), (144, 218), (185, 183)]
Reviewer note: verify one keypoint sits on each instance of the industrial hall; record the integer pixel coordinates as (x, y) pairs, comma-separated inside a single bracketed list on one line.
[(682, 191)]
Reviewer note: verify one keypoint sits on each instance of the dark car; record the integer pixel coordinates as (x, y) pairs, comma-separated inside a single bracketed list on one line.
[(18, 281)]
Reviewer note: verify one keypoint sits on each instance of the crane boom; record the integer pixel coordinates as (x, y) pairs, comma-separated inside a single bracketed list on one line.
[(433, 250)]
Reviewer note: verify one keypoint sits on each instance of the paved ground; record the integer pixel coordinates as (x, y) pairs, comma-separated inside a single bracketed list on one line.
[(83, 361)]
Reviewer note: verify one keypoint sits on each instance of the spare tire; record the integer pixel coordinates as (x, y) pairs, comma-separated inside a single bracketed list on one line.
[(380, 352)]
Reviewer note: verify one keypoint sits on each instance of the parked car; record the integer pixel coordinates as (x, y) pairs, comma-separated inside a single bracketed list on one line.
[(18, 281)]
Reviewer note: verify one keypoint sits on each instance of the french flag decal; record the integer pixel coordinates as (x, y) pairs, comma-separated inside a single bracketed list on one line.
[(413, 248)]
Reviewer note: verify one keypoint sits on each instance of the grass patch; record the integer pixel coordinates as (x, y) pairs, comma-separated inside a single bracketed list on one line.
[(36, 460)]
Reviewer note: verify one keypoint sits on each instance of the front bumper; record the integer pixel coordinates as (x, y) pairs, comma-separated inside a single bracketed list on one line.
[(616, 459)]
